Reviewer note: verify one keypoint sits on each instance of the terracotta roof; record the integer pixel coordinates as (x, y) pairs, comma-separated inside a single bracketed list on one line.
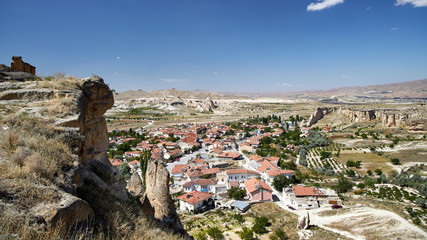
[(303, 191), (204, 182), (254, 184), (116, 162), (241, 171), (179, 168), (134, 162), (266, 166), (229, 155), (195, 197), (210, 171), (194, 173), (198, 160)]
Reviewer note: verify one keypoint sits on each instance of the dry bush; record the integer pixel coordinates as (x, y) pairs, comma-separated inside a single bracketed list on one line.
[(60, 82), (62, 106)]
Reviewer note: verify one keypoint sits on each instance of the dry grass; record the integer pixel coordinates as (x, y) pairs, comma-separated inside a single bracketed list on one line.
[(370, 161), (13, 226), (60, 82), (62, 106)]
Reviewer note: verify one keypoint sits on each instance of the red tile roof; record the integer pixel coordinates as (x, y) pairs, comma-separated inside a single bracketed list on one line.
[(232, 155), (116, 162), (179, 168), (210, 171), (195, 197), (254, 184), (204, 182), (303, 191), (241, 171)]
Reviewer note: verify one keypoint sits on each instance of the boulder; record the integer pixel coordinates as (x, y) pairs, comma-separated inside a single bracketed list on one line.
[(134, 185), (303, 222), (157, 195)]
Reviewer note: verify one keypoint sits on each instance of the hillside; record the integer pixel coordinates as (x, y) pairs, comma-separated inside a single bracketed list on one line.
[(167, 93), (410, 89), (56, 181)]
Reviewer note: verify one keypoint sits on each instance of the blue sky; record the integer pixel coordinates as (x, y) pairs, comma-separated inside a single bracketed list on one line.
[(221, 45)]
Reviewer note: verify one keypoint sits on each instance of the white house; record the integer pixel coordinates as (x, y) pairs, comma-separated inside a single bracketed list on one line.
[(241, 175), (193, 201)]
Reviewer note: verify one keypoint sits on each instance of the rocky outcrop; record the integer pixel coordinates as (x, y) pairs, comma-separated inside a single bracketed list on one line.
[(358, 115), (388, 117), (22, 66), (303, 222), (8, 74), (157, 199), (318, 114), (88, 191), (69, 211), (134, 185)]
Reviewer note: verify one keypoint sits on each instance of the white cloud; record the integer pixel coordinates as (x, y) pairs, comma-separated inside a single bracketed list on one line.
[(282, 84), (215, 73), (415, 3), (118, 58), (344, 76), (174, 80), (394, 29), (323, 4)]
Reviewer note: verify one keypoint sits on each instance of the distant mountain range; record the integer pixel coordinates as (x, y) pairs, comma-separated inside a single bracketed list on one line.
[(167, 93), (409, 90)]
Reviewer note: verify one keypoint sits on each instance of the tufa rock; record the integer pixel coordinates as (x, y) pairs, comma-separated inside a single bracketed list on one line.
[(303, 222), (22, 66), (8, 74), (134, 185), (157, 196), (70, 212)]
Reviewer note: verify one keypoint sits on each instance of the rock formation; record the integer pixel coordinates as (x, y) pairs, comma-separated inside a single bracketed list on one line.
[(22, 66), (90, 191), (388, 117), (303, 222), (157, 195), (134, 185), (318, 114), (7, 74)]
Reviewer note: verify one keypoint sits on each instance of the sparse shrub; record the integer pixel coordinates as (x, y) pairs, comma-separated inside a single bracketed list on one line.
[(279, 234), (395, 161), (215, 233), (246, 234), (260, 224)]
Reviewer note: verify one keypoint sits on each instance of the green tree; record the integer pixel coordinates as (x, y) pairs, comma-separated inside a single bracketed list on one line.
[(281, 181), (236, 193), (395, 161), (344, 184)]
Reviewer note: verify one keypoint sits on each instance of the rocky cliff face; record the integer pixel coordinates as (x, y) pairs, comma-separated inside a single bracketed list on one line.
[(388, 117), (86, 190), (318, 114)]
